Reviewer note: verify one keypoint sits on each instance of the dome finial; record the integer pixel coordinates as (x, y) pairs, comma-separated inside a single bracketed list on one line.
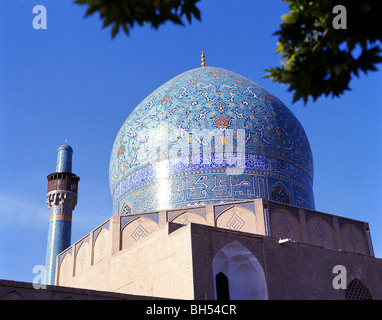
[(203, 59)]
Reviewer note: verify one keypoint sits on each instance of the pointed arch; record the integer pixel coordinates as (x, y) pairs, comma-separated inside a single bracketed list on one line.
[(65, 268), (320, 232), (284, 224), (136, 229), (101, 247), (246, 278), (237, 218), (357, 290), (279, 193), (353, 240), (82, 258), (126, 209), (187, 217)]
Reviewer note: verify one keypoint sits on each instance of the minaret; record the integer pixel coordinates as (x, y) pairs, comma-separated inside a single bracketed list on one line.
[(61, 199)]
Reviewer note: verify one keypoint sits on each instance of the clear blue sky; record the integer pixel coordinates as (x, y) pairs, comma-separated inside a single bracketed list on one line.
[(72, 81)]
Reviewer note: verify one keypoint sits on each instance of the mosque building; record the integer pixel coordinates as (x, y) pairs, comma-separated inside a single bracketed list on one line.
[(211, 178)]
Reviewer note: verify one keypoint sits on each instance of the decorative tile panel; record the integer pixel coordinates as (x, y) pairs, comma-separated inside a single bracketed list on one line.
[(154, 216), (320, 232), (235, 223), (79, 243), (293, 210), (250, 205), (310, 214), (284, 224), (139, 232), (171, 215), (98, 230), (352, 238), (357, 224)]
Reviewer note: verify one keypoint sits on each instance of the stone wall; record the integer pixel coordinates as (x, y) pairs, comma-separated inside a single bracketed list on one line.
[(160, 265), (154, 253), (292, 270), (179, 261), (318, 228), (257, 216), (15, 290)]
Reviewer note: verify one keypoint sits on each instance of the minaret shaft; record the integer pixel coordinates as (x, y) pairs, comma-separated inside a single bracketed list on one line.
[(61, 200)]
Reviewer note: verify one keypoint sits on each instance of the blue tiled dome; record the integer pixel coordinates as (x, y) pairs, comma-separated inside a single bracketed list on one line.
[(209, 136)]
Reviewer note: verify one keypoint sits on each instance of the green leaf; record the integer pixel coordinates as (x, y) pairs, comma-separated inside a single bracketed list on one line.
[(319, 60), (126, 13), (115, 30)]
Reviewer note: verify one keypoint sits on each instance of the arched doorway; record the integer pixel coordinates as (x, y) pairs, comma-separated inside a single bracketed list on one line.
[(222, 287), (238, 275)]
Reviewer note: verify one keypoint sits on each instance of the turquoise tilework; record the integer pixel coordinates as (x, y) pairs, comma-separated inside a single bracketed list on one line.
[(64, 158), (59, 235), (168, 153)]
